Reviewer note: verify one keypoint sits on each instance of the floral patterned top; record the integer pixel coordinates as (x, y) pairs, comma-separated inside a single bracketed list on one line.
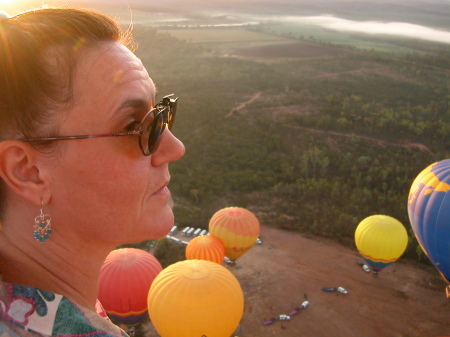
[(28, 311)]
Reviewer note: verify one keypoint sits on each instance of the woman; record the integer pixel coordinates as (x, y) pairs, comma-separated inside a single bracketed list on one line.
[(83, 162)]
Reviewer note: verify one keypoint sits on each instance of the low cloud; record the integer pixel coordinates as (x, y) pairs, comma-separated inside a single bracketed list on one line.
[(376, 27)]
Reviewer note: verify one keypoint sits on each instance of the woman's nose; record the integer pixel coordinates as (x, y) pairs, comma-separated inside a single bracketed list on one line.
[(169, 149)]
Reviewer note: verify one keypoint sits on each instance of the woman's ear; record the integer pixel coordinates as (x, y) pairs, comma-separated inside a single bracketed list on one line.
[(21, 172)]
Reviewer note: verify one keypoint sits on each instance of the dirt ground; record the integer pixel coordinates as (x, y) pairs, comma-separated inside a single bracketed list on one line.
[(405, 300)]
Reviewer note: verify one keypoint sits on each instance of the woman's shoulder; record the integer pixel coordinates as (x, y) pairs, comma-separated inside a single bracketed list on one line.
[(29, 311)]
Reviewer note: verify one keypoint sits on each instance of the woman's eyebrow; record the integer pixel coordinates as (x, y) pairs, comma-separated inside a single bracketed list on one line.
[(140, 104)]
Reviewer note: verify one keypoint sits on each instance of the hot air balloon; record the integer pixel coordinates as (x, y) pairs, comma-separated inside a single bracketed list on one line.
[(205, 247), (194, 298), (237, 228), (125, 279), (429, 214), (381, 240)]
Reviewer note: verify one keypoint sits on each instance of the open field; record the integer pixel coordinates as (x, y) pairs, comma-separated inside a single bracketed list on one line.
[(219, 35), (285, 51), (239, 42), (272, 36)]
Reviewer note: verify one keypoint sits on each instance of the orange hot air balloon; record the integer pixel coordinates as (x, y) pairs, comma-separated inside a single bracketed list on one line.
[(205, 247), (125, 279), (194, 298), (237, 228)]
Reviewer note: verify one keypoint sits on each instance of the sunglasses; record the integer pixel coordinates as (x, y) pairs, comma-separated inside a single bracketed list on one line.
[(150, 129)]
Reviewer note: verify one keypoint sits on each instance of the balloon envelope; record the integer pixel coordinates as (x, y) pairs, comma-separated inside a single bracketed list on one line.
[(205, 247), (237, 228), (195, 298), (381, 240), (429, 214), (125, 279)]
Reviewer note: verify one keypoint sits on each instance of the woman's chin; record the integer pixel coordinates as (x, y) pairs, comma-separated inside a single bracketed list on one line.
[(161, 228)]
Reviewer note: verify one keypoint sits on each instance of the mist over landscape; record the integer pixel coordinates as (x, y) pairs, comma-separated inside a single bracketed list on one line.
[(373, 27), (432, 13), (428, 20)]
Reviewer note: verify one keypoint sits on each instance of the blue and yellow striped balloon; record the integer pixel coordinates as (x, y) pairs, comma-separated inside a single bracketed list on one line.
[(429, 214), (381, 240)]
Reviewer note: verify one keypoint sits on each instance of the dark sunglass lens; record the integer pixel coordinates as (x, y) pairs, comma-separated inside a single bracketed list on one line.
[(157, 129), (153, 125), (146, 126)]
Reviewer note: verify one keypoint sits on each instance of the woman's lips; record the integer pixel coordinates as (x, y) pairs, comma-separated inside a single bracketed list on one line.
[(163, 191)]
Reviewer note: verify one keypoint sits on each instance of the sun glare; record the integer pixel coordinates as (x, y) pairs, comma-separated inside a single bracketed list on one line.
[(5, 3), (14, 6)]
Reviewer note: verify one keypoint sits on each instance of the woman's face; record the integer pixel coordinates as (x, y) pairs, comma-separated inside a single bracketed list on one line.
[(105, 189)]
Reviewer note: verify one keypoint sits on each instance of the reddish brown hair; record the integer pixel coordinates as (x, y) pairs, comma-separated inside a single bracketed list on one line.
[(39, 51)]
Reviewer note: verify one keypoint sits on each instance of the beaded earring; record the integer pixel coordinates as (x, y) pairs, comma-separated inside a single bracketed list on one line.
[(42, 226)]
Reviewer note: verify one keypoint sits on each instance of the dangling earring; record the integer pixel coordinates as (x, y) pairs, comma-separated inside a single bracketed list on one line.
[(43, 226)]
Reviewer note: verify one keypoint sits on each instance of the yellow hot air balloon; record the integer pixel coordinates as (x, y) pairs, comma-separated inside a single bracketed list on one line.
[(205, 247), (194, 298), (237, 228), (381, 240)]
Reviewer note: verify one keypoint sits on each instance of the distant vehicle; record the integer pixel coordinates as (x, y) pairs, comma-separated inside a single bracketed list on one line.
[(197, 232), (190, 231), (185, 243), (203, 232), (285, 318), (338, 289), (259, 241), (173, 230), (228, 261), (184, 231), (329, 289), (364, 266), (342, 290), (298, 309), (270, 321), (174, 239)]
